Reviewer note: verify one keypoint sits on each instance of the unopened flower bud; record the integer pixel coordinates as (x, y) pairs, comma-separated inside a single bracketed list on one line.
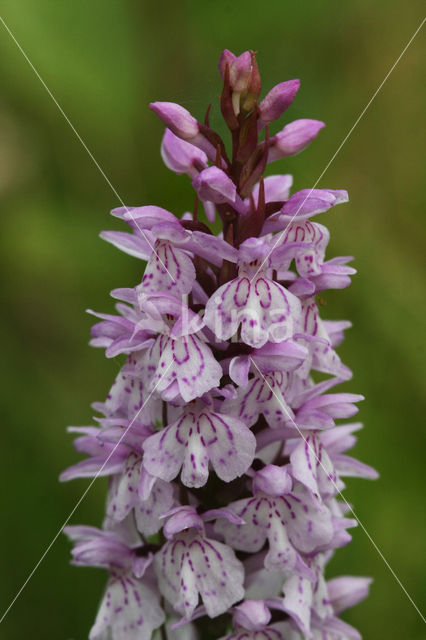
[(294, 138), (239, 69), (177, 119), (252, 615), (181, 156), (272, 480), (278, 100), (213, 184)]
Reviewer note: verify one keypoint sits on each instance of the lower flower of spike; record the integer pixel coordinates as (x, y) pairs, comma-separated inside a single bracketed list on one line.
[(136, 489), (251, 621), (130, 607), (290, 519), (191, 565)]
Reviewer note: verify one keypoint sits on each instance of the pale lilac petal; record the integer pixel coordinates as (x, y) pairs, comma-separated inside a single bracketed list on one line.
[(144, 217), (213, 249), (133, 245), (310, 202), (277, 188), (213, 514), (97, 466), (148, 512), (346, 591), (340, 438), (298, 600), (98, 548), (130, 394), (210, 210), (333, 276), (180, 519), (348, 466), (308, 521), (231, 448), (250, 536), (221, 576), (283, 356), (335, 329), (312, 467), (239, 368)]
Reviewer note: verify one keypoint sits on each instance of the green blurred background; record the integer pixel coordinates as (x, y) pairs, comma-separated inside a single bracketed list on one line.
[(104, 60)]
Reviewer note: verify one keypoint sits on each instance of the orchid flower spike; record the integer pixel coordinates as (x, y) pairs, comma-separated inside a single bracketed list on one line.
[(224, 454)]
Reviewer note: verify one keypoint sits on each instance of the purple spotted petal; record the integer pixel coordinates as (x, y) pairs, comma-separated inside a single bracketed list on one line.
[(298, 601), (312, 467), (263, 309), (264, 394), (183, 367), (123, 494), (169, 269), (190, 566), (129, 608), (129, 396), (263, 521), (195, 440), (148, 512)]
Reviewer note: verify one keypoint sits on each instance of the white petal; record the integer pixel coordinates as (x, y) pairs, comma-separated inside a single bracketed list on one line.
[(123, 494), (148, 512), (193, 368), (129, 608), (169, 269)]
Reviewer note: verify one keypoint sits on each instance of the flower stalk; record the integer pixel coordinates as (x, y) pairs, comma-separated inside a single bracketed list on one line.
[(221, 435)]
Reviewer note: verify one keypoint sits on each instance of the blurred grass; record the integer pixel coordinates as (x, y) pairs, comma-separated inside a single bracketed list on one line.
[(104, 61)]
